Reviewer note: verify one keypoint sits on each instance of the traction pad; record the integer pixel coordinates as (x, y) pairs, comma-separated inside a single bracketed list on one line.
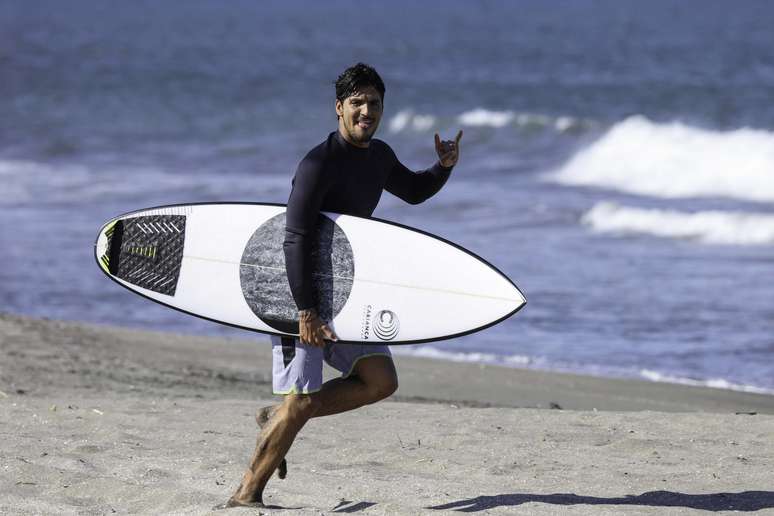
[(147, 251)]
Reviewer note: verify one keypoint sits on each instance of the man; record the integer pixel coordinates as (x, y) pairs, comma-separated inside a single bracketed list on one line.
[(345, 174)]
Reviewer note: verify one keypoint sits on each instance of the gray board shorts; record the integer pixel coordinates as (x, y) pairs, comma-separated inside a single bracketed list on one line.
[(297, 368)]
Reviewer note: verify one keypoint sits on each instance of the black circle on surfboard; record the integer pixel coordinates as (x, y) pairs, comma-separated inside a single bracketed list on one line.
[(264, 280)]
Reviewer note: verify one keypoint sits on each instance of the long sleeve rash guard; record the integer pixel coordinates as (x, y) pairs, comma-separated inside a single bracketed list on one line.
[(338, 177)]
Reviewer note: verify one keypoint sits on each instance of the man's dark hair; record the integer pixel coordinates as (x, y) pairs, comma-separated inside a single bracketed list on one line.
[(355, 78)]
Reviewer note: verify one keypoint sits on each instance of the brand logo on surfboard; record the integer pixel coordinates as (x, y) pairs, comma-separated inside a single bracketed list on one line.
[(386, 324), (365, 329)]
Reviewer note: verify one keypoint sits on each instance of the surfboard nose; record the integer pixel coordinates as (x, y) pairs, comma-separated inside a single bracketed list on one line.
[(518, 296), (511, 299)]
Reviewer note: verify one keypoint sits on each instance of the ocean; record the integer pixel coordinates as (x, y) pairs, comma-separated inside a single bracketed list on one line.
[(617, 159)]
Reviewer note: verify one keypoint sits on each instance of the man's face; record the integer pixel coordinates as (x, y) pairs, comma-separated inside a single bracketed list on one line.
[(359, 116)]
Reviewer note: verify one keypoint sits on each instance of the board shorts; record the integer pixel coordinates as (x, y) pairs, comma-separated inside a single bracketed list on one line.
[(297, 368)]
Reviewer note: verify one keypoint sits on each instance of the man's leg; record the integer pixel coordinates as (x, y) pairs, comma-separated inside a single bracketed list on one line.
[(262, 417), (373, 379), (296, 368), (274, 441)]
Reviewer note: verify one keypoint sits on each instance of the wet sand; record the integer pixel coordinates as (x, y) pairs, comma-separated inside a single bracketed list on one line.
[(99, 420)]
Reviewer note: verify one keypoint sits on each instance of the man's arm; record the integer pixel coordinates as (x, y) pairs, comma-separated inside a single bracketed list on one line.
[(309, 188), (300, 229), (417, 187)]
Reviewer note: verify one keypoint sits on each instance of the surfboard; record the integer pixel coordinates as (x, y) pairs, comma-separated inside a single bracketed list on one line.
[(376, 281)]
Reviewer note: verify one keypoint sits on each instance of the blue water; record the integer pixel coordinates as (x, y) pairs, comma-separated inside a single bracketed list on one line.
[(617, 162)]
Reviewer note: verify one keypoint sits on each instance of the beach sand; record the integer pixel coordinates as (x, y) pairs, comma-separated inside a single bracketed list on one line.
[(99, 420)]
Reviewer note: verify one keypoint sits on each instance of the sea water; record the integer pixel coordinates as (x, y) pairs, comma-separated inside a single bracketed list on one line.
[(617, 159)]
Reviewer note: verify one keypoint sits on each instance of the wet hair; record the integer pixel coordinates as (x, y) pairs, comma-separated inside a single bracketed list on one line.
[(355, 78)]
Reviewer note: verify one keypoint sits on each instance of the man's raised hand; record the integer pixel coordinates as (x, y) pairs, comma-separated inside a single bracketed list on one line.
[(448, 150)]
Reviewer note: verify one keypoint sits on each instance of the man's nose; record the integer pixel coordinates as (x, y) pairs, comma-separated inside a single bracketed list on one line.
[(364, 109)]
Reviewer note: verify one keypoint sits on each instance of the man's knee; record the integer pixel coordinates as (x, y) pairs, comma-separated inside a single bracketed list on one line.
[(379, 375), (301, 407), (383, 388)]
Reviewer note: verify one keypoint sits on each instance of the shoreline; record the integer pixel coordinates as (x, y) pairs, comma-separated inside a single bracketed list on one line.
[(644, 374)]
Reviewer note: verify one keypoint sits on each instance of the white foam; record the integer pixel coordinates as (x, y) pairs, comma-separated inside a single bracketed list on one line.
[(28, 181), (564, 124), (715, 383), (532, 120), (483, 117), (711, 227), (520, 361), (461, 356), (400, 121), (422, 122), (675, 160), (407, 119)]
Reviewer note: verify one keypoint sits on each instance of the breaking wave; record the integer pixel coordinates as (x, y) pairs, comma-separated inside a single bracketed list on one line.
[(711, 227), (675, 160)]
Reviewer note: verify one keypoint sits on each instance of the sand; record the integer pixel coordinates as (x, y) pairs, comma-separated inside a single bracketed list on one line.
[(99, 420)]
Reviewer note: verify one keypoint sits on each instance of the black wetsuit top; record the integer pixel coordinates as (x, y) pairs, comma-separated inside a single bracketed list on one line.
[(339, 177)]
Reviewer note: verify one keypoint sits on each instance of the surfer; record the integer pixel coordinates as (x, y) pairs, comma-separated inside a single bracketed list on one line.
[(347, 173)]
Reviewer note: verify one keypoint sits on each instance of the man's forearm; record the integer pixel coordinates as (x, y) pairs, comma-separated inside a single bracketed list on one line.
[(432, 181), (299, 270)]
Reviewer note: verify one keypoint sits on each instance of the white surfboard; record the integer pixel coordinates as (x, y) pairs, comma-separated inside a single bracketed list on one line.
[(376, 281)]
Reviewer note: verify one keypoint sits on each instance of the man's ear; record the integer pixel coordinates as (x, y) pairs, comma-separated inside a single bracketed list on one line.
[(339, 108)]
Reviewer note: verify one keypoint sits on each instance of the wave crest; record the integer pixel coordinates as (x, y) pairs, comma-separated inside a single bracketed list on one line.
[(676, 161)]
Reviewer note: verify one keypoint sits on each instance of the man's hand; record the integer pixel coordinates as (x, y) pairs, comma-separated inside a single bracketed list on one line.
[(312, 330), (448, 151)]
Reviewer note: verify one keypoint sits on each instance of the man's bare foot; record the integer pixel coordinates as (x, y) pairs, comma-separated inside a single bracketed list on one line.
[(233, 502), (262, 417)]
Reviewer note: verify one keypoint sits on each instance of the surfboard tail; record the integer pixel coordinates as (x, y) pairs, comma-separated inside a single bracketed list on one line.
[(146, 251)]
